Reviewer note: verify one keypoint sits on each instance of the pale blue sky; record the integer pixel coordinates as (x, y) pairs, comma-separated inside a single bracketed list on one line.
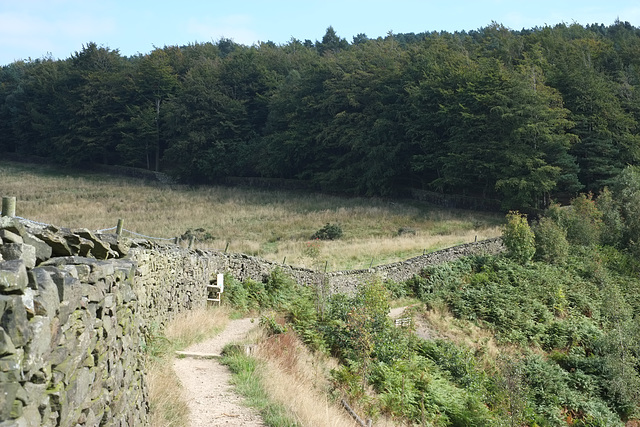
[(35, 28)]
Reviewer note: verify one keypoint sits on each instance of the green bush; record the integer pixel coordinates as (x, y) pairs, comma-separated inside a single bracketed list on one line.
[(271, 325), (584, 226), (551, 242), (328, 232), (612, 223), (236, 293), (518, 238)]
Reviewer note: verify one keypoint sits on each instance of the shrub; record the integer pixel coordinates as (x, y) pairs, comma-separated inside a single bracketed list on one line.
[(626, 191), (328, 232), (235, 293), (518, 237), (397, 290), (584, 226), (551, 242), (612, 224)]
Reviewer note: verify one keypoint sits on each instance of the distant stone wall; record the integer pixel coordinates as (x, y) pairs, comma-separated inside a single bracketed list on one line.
[(77, 309), (244, 267)]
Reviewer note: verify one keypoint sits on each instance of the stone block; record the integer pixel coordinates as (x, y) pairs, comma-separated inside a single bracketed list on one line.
[(35, 393), (10, 369), (82, 272), (39, 346), (69, 288), (6, 345), (100, 249), (13, 319), (59, 246), (101, 270), (13, 276), (7, 398), (13, 225), (31, 416), (10, 237), (120, 245), (79, 387), (43, 250), (86, 246), (13, 251), (68, 260), (47, 299), (97, 291)]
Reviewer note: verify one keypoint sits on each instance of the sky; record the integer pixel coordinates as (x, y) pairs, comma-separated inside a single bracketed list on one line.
[(32, 29)]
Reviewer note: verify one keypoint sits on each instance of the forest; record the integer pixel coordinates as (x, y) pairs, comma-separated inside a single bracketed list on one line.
[(524, 117)]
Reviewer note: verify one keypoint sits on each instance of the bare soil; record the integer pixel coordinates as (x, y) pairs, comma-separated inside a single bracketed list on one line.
[(206, 383)]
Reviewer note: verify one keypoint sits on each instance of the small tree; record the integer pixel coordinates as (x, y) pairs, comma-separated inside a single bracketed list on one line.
[(551, 241), (518, 237), (584, 224), (612, 223)]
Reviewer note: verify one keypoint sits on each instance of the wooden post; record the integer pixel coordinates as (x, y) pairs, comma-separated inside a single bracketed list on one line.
[(191, 239), (175, 240), (9, 206), (119, 227), (226, 247)]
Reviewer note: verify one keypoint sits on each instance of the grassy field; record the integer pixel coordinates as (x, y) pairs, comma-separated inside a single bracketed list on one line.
[(275, 225)]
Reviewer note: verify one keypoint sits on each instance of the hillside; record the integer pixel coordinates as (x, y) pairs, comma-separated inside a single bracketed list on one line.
[(546, 335)]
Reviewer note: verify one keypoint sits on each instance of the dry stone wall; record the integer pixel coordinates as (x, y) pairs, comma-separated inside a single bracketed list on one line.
[(244, 267), (77, 309)]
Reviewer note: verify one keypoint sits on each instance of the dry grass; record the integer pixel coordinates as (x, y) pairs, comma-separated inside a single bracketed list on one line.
[(297, 379), (168, 409), (196, 325), (275, 225), (443, 324)]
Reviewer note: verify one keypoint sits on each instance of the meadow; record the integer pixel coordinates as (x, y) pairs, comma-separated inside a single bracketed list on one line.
[(274, 225)]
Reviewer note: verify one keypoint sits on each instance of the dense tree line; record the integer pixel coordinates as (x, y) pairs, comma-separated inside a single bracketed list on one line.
[(522, 116)]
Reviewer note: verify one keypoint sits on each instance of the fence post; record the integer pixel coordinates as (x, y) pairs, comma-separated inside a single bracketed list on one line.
[(9, 206), (119, 227), (191, 239)]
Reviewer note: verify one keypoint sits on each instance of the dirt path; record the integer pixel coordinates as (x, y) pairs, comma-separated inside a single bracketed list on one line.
[(395, 313), (205, 383)]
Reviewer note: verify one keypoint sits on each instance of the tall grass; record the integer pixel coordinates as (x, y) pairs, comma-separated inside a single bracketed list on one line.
[(297, 378), (275, 225)]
